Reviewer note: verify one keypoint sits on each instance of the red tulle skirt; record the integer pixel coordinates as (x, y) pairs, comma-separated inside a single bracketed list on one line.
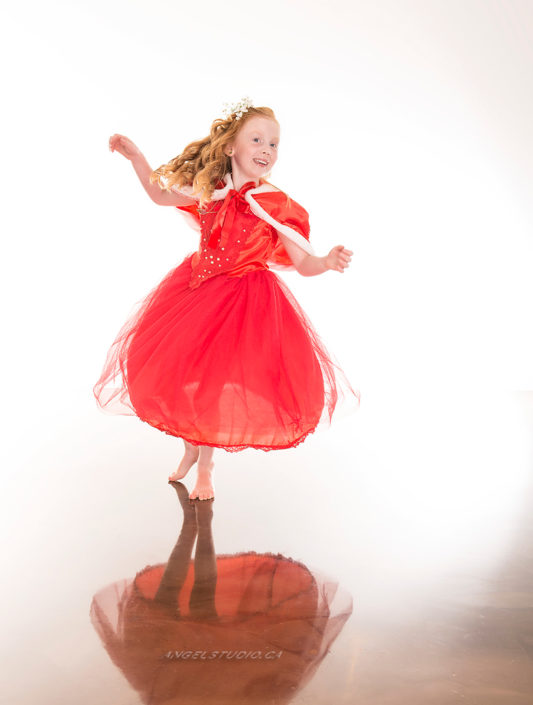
[(234, 363)]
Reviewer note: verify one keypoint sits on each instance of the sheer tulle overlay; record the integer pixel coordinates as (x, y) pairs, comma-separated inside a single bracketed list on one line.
[(234, 363)]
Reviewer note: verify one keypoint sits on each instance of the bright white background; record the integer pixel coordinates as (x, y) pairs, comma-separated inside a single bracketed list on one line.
[(406, 134)]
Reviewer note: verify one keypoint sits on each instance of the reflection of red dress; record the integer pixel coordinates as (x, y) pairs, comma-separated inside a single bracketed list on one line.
[(276, 623), (220, 352)]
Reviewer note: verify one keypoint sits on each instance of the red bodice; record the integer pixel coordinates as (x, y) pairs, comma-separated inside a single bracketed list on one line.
[(233, 239)]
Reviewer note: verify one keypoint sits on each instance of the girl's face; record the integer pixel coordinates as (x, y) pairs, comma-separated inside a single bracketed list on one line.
[(255, 149)]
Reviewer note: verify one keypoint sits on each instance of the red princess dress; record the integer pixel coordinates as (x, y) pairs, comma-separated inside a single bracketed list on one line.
[(220, 353)]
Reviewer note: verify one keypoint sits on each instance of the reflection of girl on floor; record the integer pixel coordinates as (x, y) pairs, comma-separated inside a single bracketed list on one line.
[(242, 628)]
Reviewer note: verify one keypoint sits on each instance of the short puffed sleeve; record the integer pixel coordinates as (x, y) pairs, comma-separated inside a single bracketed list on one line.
[(287, 216)]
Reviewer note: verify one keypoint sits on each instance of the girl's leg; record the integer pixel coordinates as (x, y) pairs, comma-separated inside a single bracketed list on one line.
[(188, 460), (204, 488)]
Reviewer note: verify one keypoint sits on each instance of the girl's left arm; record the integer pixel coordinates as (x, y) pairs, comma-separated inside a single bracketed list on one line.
[(308, 265)]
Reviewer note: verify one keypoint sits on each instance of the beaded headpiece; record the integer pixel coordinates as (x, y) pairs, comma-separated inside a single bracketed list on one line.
[(238, 108)]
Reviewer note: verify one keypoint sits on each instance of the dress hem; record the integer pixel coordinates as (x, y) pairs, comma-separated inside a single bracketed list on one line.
[(229, 448)]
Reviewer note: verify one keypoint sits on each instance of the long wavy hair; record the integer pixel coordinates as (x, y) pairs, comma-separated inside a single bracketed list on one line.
[(203, 163)]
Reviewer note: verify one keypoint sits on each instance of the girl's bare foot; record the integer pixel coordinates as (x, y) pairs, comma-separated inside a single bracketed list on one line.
[(204, 484), (189, 458)]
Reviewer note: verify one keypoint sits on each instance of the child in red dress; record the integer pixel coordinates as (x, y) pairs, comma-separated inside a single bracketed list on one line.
[(220, 353)]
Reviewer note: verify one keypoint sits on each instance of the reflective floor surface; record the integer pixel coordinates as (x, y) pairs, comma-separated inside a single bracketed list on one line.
[(386, 561)]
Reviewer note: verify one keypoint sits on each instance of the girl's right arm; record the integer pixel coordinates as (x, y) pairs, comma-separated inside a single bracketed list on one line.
[(128, 149)]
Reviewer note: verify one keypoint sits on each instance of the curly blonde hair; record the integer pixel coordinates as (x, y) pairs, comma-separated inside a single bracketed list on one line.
[(203, 163)]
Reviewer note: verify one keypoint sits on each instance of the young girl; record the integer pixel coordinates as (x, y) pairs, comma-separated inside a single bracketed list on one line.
[(220, 353)]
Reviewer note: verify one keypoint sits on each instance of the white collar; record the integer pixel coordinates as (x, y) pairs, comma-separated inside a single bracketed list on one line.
[(219, 194), (222, 192)]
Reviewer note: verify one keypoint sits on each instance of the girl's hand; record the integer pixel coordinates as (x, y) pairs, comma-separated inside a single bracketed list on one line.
[(338, 258), (125, 146)]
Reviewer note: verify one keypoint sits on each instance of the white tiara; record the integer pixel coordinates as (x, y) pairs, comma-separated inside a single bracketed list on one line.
[(238, 108)]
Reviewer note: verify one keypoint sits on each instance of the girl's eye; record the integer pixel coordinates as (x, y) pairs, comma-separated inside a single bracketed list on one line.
[(272, 143)]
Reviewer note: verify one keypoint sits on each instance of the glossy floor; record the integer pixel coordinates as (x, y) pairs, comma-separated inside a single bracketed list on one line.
[(385, 561)]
